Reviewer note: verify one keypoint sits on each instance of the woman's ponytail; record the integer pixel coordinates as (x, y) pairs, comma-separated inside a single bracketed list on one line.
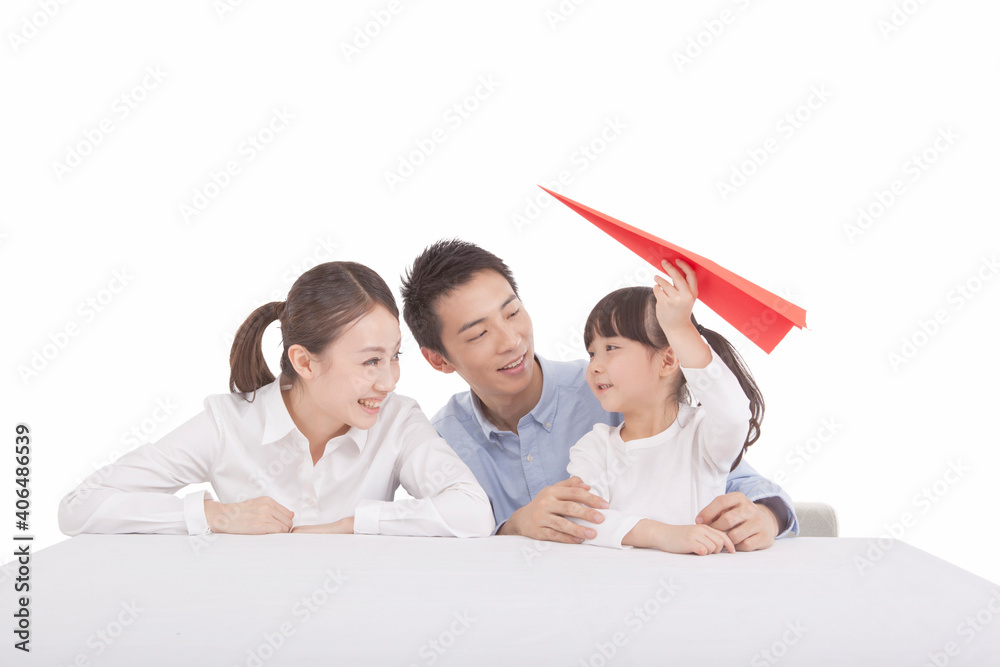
[(248, 370), (725, 351)]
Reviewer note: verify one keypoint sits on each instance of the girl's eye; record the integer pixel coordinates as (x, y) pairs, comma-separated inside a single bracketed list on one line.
[(610, 347), (590, 354)]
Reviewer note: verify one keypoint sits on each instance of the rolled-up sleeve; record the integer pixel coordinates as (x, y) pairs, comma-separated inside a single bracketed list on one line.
[(757, 488)]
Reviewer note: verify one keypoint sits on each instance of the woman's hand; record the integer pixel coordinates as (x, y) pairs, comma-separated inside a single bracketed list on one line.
[(343, 526), (257, 516), (699, 539)]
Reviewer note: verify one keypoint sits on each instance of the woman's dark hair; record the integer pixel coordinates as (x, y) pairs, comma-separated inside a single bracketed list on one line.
[(630, 312), (322, 302)]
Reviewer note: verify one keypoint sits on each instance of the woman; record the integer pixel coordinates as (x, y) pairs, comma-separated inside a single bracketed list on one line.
[(320, 449)]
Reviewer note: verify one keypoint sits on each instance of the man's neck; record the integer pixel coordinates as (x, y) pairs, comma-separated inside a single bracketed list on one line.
[(505, 412)]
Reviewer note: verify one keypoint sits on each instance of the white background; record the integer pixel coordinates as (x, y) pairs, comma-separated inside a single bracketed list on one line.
[(844, 424)]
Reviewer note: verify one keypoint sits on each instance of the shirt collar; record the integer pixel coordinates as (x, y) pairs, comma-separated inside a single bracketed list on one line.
[(278, 423), (544, 411), (485, 424)]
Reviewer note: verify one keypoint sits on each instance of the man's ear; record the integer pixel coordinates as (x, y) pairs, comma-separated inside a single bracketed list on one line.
[(437, 360), (669, 362)]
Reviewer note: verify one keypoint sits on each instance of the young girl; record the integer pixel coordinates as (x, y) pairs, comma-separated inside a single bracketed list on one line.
[(321, 449), (669, 458)]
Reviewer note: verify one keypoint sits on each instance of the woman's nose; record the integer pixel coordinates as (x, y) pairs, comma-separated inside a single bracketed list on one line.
[(386, 381)]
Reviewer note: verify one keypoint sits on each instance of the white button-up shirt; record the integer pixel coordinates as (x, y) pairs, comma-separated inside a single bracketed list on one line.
[(247, 450)]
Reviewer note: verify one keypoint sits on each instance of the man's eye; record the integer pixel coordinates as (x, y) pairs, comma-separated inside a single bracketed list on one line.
[(514, 313)]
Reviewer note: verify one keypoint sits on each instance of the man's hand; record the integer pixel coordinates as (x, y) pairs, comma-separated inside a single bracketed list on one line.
[(343, 526), (750, 526), (544, 518), (257, 516)]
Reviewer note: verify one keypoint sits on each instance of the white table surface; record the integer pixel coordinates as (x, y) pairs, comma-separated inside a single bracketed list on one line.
[(181, 601)]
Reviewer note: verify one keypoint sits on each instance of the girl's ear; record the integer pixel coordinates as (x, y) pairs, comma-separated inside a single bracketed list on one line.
[(304, 363), (668, 362)]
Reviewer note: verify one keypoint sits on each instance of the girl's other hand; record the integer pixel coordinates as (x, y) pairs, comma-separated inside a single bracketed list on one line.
[(257, 516), (699, 539), (342, 527)]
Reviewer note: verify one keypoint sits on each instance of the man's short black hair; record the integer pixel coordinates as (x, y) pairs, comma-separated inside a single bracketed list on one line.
[(436, 272)]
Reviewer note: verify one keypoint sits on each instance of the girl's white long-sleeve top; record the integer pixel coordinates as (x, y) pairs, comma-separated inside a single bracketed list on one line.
[(247, 450), (673, 475)]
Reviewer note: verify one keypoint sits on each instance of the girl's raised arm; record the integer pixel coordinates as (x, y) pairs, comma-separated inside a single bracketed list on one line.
[(707, 376), (727, 410)]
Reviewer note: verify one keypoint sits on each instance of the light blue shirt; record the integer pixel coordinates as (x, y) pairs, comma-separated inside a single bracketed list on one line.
[(514, 467)]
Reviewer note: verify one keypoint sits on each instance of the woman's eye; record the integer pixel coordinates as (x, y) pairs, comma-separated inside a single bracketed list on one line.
[(372, 362), (478, 337), (395, 357)]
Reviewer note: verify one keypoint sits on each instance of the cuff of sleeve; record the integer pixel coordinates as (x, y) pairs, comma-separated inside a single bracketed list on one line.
[(611, 538), (627, 524), (788, 524), (194, 513), (792, 528), (366, 516)]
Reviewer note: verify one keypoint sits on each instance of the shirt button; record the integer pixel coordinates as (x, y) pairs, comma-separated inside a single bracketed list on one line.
[(530, 458), (310, 502), (548, 424)]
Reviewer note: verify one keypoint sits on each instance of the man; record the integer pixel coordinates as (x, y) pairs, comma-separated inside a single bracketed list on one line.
[(523, 413)]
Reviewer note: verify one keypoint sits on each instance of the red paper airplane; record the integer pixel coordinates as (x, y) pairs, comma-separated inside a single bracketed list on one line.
[(759, 315)]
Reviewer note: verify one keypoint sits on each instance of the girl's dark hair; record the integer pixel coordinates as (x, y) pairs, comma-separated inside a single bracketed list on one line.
[(630, 312), (322, 302)]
